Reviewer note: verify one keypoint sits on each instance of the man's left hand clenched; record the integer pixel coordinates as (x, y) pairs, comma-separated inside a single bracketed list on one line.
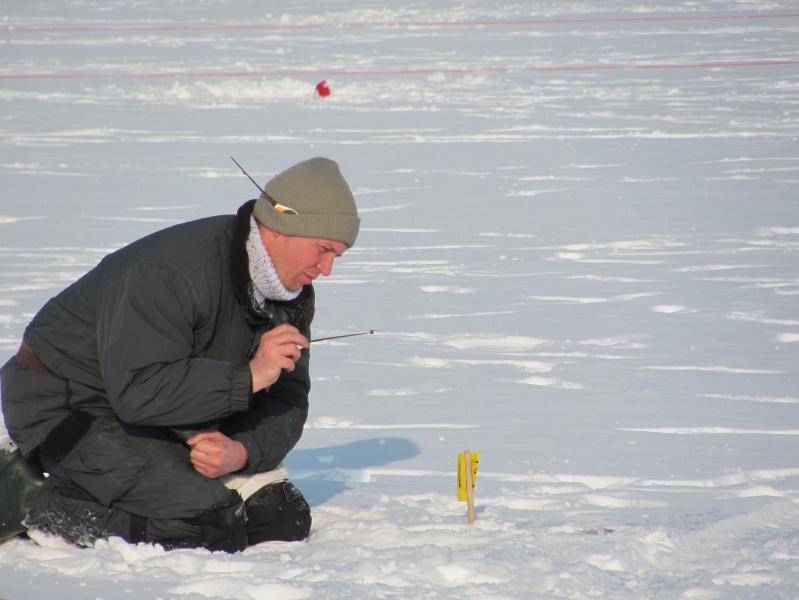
[(214, 454)]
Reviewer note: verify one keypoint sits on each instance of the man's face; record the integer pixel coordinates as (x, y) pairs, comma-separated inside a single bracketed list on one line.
[(299, 260)]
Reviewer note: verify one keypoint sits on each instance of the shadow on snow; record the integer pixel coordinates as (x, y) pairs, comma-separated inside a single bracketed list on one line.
[(322, 473)]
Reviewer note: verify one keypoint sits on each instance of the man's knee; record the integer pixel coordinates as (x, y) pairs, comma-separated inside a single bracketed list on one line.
[(277, 512)]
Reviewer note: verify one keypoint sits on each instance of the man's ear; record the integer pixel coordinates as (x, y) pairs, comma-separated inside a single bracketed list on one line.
[(268, 233), (268, 236)]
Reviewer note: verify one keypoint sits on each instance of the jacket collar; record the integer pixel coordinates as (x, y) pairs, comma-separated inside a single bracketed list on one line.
[(298, 312)]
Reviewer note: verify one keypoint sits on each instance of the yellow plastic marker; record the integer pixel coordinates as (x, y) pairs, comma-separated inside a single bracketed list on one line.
[(467, 479)]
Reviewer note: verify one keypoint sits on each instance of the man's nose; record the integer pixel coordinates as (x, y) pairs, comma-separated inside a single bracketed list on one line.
[(325, 265)]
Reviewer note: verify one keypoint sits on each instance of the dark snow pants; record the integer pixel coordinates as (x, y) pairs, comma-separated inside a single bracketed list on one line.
[(137, 483), (109, 478)]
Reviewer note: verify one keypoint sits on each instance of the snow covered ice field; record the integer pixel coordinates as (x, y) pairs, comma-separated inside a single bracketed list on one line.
[(579, 248)]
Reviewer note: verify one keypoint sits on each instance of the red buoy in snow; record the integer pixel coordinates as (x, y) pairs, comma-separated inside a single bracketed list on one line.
[(323, 89)]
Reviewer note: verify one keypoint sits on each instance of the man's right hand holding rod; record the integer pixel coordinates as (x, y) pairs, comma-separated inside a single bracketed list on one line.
[(278, 349)]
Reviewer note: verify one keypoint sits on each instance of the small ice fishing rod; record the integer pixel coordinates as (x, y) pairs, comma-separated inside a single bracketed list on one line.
[(338, 337), (281, 208), (255, 183)]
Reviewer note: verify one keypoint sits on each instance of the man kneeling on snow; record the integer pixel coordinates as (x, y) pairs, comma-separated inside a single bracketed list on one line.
[(162, 390)]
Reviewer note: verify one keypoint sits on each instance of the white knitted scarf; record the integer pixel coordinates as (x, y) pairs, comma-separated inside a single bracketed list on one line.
[(266, 283)]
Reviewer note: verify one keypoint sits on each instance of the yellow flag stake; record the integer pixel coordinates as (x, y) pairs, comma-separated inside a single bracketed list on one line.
[(467, 478)]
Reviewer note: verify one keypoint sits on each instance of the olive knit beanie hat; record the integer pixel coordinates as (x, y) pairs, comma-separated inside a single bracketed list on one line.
[(310, 199)]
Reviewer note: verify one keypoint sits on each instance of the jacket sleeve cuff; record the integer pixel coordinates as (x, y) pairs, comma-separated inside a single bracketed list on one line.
[(241, 389), (253, 452)]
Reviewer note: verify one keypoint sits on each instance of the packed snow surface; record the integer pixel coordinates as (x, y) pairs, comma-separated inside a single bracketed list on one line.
[(579, 250)]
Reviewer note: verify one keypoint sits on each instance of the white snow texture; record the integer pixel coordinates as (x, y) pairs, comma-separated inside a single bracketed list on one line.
[(579, 251)]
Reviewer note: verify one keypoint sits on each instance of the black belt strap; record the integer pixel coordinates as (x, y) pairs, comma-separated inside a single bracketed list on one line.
[(65, 435)]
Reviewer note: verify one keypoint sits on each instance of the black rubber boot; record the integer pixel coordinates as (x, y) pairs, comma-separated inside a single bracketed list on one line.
[(277, 512), (19, 481)]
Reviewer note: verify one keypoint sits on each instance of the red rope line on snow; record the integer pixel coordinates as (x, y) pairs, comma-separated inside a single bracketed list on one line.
[(200, 27), (387, 72)]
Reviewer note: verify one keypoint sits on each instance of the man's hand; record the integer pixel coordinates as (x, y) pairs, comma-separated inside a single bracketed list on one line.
[(278, 349), (214, 454)]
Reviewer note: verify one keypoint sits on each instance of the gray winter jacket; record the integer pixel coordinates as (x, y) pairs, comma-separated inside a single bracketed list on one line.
[(160, 334)]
